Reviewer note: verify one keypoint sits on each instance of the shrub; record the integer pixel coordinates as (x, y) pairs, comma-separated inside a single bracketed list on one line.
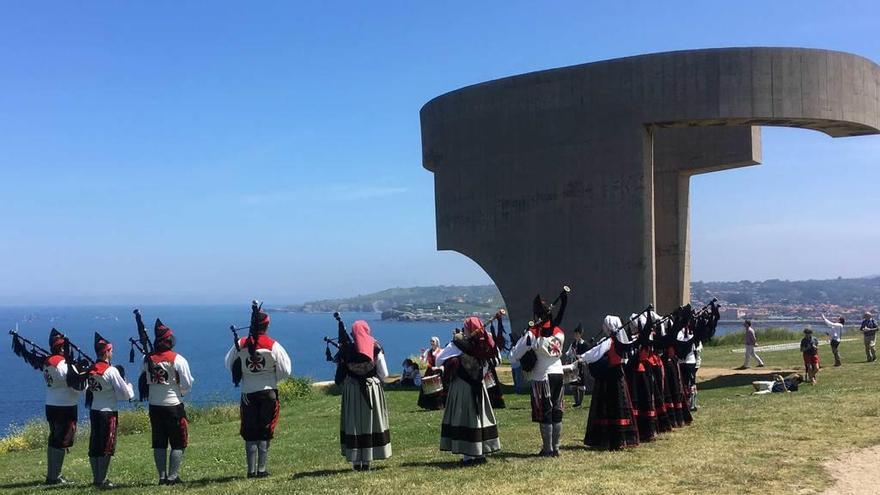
[(134, 421), (30, 436), (295, 388)]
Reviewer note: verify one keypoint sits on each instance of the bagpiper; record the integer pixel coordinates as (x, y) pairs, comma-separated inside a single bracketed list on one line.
[(106, 386), (262, 363), (167, 375)]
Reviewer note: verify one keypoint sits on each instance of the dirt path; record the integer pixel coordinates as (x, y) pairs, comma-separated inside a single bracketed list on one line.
[(854, 472)]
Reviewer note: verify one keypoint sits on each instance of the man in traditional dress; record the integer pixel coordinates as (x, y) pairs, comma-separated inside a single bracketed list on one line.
[(361, 370), (169, 379), (469, 427), (263, 363), (62, 396), (545, 340), (106, 386), (578, 347)]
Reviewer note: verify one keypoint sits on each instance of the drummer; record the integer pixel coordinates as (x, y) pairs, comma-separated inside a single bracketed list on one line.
[(432, 395)]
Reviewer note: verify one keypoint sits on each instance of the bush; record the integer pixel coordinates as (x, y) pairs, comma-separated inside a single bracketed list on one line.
[(134, 421), (30, 436), (212, 415), (764, 336), (295, 388)]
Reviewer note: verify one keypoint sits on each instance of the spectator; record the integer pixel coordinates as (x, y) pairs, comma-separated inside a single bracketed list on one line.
[(410, 376), (835, 333), (810, 350), (778, 385), (750, 341), (869, 329)]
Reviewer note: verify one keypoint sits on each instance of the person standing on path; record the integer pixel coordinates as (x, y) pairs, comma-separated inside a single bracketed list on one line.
[(750, 341), (835, 333), (869, 329)]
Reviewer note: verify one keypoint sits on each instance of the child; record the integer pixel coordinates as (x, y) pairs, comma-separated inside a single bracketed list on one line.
[(809, 347)]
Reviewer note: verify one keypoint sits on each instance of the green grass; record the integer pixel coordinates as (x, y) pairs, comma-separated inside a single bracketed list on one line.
[(738, 444)]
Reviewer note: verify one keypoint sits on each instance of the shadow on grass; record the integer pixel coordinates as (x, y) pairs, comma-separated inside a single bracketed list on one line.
[(29, 484), (209, 481), (516, 455), (726, 381), (445, 465), (325, 472)]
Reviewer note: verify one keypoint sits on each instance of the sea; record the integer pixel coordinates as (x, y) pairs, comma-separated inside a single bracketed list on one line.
[(203, 338)]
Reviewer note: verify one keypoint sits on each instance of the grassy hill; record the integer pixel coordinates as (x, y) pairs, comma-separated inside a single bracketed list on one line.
[(477, 297), (738, 444)]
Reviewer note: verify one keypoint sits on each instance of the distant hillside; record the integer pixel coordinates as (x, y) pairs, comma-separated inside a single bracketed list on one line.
[(863, 292), (476, 298)]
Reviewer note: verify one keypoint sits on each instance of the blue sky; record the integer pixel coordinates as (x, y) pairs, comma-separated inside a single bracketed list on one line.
[(204, 152)]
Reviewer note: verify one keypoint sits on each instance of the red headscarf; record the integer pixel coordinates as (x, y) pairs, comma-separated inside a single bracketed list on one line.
[(364, 343), (482, 341)]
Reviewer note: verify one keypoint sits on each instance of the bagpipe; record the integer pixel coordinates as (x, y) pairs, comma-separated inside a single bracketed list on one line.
[(501, 342), (77, 360), (143, 343), (342, 339), (256, 307), (530, 358)]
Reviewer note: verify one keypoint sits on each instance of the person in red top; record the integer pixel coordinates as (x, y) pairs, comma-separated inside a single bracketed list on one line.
[(263, 363)]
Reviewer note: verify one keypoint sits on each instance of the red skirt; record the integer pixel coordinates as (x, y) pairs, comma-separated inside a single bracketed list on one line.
[(811, 359)]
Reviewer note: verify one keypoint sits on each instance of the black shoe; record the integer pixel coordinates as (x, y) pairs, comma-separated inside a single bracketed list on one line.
[(555, 453), (252, 475), (480, 460), (163, 481), (358, 467), (106, 485), (577, 405), (545, 453), (466, 462), (262, 474), (61, 480), (175, 481)]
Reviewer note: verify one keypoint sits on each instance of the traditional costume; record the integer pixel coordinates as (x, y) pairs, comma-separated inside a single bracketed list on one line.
[(545, 340), (62, 396), (640, 380), (363, 426), (469, 426), (262, 363), (106, 386), (584, 380), (434, 400), (167, 375), (610, 424), (666, 344)]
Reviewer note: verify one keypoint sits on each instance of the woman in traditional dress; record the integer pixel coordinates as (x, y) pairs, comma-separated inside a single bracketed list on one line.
[(434, 400), (676, 403), (469, 428), (640, 379), (364, 421), (546, 340), (610, 425)]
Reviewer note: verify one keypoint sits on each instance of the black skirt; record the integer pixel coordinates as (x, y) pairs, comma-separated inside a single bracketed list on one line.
[(610, 425), (434, 401), (641, 388), (676, 406)]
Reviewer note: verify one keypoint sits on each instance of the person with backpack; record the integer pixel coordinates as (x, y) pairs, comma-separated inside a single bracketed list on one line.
[(869, 331)]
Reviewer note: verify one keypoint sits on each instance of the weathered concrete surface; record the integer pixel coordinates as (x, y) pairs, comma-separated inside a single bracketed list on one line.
[(579, 175)]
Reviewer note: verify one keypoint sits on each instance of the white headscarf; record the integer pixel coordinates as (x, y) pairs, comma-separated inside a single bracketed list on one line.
[(612, 324)]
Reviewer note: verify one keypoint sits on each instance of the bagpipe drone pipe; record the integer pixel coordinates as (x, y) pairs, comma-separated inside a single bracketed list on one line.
[(543, 314), (78, 361), (31, 353)]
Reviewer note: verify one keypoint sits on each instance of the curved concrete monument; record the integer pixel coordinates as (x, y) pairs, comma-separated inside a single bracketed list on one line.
[(580, 175)]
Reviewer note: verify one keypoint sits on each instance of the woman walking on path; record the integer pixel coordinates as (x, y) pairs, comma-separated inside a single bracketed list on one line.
[(751, 340)]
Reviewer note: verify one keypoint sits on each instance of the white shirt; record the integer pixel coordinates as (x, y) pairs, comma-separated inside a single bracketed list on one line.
[(169, 381), (836, 329), (547, 349), (264, 371), (57, 391), (691, 357), (108, 388)]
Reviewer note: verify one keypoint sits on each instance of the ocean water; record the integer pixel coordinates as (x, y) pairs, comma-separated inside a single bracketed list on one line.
[(203, 338)]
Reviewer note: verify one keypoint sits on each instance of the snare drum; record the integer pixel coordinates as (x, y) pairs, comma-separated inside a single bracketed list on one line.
[(432, 384), (570, 373), (489, 380)]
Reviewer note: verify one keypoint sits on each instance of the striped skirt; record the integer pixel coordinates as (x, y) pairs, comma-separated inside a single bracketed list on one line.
[(363, 425), (467, 429)]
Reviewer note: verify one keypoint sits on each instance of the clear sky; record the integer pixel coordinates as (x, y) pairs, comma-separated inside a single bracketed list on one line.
[(155, 152)]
